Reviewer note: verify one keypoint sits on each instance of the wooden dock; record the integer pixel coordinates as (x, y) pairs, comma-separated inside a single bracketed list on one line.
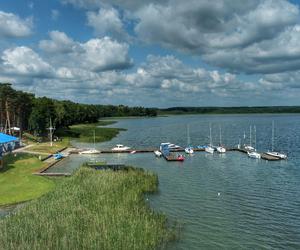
[(172, 156)]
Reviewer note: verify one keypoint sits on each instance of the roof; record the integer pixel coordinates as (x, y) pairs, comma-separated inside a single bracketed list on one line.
[(4, 138)]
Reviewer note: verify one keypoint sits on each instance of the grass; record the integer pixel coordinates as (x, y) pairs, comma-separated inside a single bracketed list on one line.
[(17, 182), (44, 147), (85, 132), (90, 210)]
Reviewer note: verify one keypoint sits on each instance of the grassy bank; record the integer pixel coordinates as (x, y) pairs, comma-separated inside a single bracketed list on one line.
[(90, 210), (17, 182), (45, 147), (85, 132)]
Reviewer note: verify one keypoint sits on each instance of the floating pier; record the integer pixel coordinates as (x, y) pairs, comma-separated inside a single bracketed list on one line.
[(170, 156)]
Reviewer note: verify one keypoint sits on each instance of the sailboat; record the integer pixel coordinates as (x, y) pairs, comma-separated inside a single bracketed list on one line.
[(254, 154), (188, 149), (92, 150), (272, 152), (209, 148), (221, 149), (249, 147)]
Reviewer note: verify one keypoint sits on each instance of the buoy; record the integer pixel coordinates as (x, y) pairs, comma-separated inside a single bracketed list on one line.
[(219, 194)]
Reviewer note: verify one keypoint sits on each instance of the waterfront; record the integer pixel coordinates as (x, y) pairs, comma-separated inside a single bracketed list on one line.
[(259, 201)]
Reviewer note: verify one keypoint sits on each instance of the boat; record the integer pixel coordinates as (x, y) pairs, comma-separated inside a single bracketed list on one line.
[(221, 149), (158, 153), (249, 147), (180, 158), (272, 152), (58, 156), (209, 148), (254, 155), (120, 147), (188, 149), (92, 150), (133, 152), (169, 145)]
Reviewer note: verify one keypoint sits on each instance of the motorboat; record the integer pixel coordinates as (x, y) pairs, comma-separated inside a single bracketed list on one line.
[(254, 155), (180, 158), (90, 151), (158, 153), (189, 150), (272, 152), (133, 152), (169, 145), (120, 147), (277, 154)]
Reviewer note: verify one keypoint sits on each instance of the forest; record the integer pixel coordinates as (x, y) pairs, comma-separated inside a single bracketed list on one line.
[(33, 114)]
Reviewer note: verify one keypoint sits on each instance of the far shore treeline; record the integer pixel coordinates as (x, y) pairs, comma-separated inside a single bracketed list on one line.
[(24, 110), (229, 110)]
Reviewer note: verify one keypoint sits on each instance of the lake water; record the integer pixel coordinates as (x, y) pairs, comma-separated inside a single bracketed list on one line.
[(221, 201)]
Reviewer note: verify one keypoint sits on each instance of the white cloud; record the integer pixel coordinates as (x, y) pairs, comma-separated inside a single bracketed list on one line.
[(98, 54), (23, 61), (106, 21), (12, 26), (59, 43)]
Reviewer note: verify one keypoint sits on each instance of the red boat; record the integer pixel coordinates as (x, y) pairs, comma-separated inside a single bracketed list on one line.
[(180, 158)]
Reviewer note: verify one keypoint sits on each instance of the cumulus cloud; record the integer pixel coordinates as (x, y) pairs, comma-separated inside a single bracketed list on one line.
[(106, 21), (23, 61), (12, 26), (97, 54)]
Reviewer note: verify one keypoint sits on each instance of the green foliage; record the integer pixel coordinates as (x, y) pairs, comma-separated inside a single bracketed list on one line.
[(85, 132), (30, 113), (90, 210), (229, 110), (17, 181)]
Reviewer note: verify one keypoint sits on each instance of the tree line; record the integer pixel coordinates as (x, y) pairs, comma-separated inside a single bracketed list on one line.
[(229, 110), (27, 112)]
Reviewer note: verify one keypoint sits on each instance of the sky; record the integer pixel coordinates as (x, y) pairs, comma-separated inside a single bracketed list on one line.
[(153, 53)]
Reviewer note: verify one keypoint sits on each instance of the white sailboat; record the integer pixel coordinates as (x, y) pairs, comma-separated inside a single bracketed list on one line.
[(220, 148), (209, 148), (188, 149), (254, 154), (249, 147), (92, 150), (272, 152)]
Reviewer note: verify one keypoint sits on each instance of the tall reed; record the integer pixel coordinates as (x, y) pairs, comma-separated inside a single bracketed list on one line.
[(90, 210)]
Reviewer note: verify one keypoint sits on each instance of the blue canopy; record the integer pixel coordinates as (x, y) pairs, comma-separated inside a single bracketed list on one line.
[(7, 138)]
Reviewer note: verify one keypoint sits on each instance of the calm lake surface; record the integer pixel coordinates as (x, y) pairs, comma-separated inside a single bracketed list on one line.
[(222, 201)]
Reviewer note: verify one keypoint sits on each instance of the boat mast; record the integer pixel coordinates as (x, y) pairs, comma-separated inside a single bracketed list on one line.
[(272, 136), (94, 139), (188, 135), (220, 136), (250, 138), (255, 137), (210, 139)]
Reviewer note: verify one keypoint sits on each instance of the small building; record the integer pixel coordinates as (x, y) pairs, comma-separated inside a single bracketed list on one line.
[(7, 144)]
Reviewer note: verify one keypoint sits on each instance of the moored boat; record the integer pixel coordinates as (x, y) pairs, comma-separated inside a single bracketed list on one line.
[(189, 150), (180, 158), (158, 153), (254, 155), (90, 151), (120, 147)]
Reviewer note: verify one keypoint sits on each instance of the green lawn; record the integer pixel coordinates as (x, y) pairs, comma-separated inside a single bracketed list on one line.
[(17, 183), (90, 210), (45, 147)]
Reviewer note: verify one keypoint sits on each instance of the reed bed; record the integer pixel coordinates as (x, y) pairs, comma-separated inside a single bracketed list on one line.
[(90, 210)]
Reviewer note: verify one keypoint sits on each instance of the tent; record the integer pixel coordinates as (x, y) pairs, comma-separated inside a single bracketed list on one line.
[(7, 144), (4, 138)]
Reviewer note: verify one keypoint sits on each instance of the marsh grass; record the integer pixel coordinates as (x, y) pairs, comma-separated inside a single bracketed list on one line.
[(85, 132), (90, 210)]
